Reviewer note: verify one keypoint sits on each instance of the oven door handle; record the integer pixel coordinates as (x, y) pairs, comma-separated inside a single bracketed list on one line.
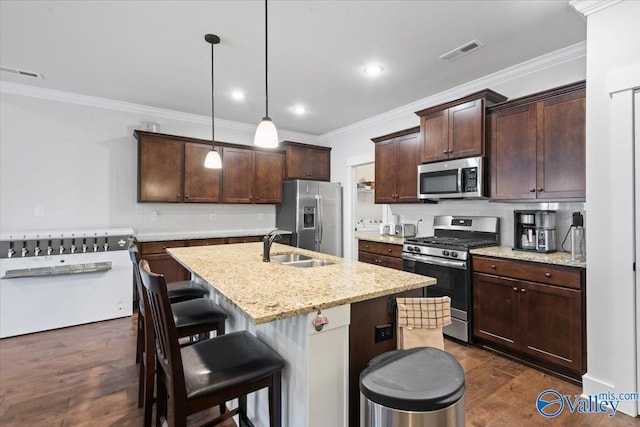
[(426, 259)]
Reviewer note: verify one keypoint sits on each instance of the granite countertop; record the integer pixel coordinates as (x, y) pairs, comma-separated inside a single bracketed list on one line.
[(187, 235), (557, 258), (376, 237), (268, 291)]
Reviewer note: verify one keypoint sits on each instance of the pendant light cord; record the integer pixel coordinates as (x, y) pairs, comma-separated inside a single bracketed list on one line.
[(266, 59), (213, 105)]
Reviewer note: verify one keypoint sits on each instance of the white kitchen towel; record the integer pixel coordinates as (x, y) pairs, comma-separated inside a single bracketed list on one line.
[(420, 321)]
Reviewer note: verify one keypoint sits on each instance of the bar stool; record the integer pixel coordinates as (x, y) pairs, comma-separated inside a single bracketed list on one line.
[(184, 290), (194, 317), (210, 372)]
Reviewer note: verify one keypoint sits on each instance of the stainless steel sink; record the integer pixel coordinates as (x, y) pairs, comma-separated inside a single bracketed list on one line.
[(309, 263), (299, 260), (292, 257)]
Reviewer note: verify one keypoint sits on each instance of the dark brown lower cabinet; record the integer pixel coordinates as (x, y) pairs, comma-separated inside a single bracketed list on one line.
[(543, 323), (365, 316), (382, 254)]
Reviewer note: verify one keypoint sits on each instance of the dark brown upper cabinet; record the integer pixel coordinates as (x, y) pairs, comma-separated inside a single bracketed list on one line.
[(397, 157), (171, 169), (456, 129), (252, 176), (308, 161), (537, 146)]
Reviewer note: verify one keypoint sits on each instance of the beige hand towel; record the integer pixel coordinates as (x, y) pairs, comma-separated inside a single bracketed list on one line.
[(420, 321)]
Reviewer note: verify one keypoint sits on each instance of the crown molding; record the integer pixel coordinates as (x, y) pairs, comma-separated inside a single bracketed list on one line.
[(534, 65), (128, 107), (587, 7)]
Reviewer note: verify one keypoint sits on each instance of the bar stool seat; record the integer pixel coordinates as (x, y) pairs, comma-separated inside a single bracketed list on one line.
[(185, 290), (226, 362), (197, 315)]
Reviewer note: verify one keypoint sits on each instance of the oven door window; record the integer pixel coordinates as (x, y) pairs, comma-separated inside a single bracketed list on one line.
[(440, 182), (452, 282)]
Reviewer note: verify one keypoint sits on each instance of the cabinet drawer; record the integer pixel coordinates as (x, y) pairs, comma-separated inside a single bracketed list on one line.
[(147, 248), (382, 260), (534, 272), (380, 248), (245, 239), (208, 242)]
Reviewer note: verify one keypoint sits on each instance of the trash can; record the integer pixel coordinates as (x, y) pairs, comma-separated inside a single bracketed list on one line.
[(420, 387)]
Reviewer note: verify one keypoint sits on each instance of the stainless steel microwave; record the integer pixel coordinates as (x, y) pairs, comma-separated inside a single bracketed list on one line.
[(452, 179)]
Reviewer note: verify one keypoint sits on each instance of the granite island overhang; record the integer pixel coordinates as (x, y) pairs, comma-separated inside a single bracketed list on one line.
[(279, 303)]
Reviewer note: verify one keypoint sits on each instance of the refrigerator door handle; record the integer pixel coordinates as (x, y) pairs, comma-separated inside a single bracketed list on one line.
[(321, 219), (317, 222)]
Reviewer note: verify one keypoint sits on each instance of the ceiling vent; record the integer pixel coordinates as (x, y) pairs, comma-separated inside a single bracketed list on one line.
[(462, 50), (21, 72)]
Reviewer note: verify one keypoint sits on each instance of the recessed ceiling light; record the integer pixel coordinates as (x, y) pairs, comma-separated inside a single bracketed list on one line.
[(237, 95), (299, 109), (373, 70)]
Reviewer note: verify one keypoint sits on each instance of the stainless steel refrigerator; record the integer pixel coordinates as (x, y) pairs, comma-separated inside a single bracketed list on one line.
[(312, 211)]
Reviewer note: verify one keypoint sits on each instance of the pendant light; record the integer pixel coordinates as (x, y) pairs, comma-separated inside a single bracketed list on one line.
[(266, 134), (213, 160)]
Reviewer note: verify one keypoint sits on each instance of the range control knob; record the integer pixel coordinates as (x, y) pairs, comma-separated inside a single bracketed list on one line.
[(416, 249), (445, 252), (454, 254)]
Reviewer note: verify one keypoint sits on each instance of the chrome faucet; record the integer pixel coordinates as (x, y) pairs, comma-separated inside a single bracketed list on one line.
[(267, 241)]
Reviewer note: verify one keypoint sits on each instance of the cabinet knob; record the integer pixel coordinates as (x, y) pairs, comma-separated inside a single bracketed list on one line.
[(450, 151), (178, 196), (532, 190), (515, 288), (540, 189), (445, 151), (389, 250), (493, 266), (366, 246), (523, 290), (186, 196), (547, 274)]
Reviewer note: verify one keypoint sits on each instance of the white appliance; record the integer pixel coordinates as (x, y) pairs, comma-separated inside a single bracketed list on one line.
[(51, 280)]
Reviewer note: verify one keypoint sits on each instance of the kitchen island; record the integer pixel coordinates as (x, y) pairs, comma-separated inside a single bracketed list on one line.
[(278, 303)]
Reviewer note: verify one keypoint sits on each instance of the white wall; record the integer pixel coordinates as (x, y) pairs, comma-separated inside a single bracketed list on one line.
[(76, 158), (612, 43), (352, 145)]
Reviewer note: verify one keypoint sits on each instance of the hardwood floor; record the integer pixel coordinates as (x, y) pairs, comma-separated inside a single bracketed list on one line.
[(87, 376)]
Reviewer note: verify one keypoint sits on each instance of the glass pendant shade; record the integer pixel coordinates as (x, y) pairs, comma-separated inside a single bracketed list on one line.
[(213, 160), (266, 134)]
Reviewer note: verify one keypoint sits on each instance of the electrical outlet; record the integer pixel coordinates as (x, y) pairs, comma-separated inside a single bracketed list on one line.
[(384, 332)]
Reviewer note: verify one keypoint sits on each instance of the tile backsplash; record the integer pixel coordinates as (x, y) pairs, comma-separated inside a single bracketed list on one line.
[(413, 212), (192, 217)]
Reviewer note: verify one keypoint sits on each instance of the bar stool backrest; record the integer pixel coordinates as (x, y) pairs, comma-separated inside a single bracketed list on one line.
[(167, 345), (134, 254)]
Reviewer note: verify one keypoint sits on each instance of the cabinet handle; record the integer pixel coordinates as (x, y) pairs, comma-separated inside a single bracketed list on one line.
[(515, 288), (493, 266), (547, 274), (523, 290), (532, 190), (540, 189)]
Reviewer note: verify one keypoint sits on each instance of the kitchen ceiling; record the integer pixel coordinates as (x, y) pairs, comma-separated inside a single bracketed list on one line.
[(153, 52)]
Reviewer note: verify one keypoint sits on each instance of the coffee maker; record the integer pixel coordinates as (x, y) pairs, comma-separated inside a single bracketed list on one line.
[(534, 231)]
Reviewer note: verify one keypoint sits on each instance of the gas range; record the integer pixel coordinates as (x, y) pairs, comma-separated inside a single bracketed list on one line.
[(445, 256), (454, 237)]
